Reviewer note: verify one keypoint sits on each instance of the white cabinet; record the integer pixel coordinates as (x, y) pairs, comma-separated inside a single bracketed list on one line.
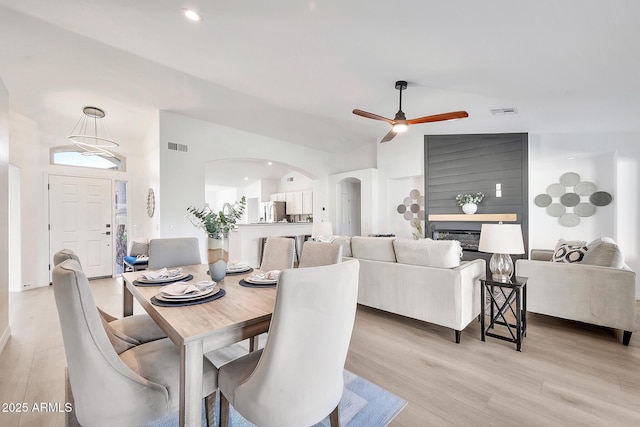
[(273, 197), (307, 202), (298, 202), (291, 209), (277, 197)]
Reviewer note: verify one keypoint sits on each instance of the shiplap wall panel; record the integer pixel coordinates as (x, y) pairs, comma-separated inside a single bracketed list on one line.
[(467, 164)]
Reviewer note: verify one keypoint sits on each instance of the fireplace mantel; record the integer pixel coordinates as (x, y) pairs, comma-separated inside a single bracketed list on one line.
[(511, 217)]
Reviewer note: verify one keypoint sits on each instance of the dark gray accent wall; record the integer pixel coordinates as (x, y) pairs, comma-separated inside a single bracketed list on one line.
[(467, 164)]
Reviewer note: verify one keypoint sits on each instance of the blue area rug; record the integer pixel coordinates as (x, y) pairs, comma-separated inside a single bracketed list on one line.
[(363, 404)]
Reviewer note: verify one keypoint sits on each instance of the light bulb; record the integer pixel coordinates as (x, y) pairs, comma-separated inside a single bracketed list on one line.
[(400, 127), (192, 14)]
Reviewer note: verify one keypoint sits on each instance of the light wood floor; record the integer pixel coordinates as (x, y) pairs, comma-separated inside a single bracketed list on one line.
[(568, 374)]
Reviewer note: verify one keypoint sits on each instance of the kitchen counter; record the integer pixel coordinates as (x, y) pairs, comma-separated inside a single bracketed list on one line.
[(244, 244)]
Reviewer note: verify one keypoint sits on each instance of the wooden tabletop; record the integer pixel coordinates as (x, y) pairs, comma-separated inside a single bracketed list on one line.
[(232, 318)]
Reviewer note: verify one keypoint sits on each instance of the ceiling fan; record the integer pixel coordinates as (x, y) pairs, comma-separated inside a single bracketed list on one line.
[(400, 122)]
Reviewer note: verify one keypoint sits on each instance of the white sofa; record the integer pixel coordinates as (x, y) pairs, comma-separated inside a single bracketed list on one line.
[(600, 289), (421, 279)]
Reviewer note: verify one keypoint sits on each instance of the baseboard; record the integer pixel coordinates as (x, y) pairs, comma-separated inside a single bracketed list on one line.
[(5, 338)]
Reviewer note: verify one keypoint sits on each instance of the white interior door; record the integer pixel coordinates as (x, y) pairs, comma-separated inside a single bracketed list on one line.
[(344, 222), (80, 211)]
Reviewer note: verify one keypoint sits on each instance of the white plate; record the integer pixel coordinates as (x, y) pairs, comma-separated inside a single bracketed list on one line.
[(238, 270), (189, 297), (179, 277), (257, 281)]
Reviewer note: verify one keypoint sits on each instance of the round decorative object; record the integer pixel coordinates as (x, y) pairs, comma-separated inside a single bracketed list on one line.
[(570, 199), (414, 194), (569, 220), (584, 209), (151, 203), (600, 198), (556, 190), (407, 201), (469, 208), (421, 215), (408, 215), (401, 209), (569, 179), (556, 210), (421, 200), (585, 188), (542, 200), (415, 208)]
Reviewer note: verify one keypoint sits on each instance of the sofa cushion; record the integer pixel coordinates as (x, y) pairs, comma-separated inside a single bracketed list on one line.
[(570, 251), (345, 242), (604, 252), (428, 253), (373, 248)]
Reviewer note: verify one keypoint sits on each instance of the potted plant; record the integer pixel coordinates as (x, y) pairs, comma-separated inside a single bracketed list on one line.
[(217, 226), (469, 202)]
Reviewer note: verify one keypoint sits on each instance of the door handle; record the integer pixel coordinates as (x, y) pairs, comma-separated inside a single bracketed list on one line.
[(108, 233)]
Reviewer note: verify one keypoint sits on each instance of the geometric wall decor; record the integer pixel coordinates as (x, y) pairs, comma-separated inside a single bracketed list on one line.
[(571, 199), (412, 209)]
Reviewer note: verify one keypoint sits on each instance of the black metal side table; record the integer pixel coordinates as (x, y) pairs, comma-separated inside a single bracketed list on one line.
[(513, 291)]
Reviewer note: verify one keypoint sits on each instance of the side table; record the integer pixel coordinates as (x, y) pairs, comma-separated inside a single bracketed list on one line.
[(513, 291)]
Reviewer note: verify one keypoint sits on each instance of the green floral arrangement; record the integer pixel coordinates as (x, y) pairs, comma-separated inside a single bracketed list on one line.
[(217, 224), (469, 198)]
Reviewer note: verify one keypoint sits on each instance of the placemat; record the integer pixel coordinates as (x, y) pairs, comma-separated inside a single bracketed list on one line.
[(184, 279), (215, 296), (254, 285), (229, 273)]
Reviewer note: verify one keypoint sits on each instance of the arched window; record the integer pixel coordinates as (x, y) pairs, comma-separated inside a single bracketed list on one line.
[(74, 156)]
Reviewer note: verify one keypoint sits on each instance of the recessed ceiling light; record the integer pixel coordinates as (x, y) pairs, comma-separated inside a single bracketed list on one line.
[(192, 15), (246, 178), (270, 163)]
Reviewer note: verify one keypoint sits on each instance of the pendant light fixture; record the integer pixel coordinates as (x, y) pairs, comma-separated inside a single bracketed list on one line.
[(91, 133)]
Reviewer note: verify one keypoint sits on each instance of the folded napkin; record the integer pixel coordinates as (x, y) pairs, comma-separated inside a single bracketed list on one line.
[(269, 275), (179, 288), (237, 265), (162, 274)]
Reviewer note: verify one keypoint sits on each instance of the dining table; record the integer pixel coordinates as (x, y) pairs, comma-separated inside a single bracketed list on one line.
[(242, 313)]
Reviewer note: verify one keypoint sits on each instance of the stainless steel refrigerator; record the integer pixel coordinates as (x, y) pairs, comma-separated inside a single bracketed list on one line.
[(273, 211)]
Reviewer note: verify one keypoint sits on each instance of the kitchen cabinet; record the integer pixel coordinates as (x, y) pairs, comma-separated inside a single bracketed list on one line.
[(291, 208), (307, 202), (298, 202)]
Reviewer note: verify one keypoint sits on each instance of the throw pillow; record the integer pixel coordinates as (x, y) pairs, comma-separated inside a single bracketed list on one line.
[(570, 251), (139, 249), (604, 253)]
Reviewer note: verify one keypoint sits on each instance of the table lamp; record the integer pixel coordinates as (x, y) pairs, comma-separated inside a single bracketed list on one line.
[(502, 240), (321, 230)]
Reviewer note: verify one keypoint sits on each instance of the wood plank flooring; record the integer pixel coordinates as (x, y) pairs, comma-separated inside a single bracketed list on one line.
[(568, 374)]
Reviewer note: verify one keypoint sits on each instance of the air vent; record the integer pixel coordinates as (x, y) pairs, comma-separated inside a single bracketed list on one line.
[(177, 147), (503, 111)]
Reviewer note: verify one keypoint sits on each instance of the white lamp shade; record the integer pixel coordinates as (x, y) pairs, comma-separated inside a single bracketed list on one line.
[(501, 239), (322, 229)]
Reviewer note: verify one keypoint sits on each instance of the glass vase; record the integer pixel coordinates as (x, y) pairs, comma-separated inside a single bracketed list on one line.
[(218, 257)]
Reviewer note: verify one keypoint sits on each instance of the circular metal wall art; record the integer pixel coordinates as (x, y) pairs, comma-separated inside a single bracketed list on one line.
[(402, 209), (556, 210), (570, 199), (543, 200), (556, 190), (569, 220), (569, 179), (600, 198), (585, 188), (415, 208), (584, 209)]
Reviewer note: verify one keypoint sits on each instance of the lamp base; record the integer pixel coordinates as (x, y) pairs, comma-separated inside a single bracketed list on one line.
[(501, 267)]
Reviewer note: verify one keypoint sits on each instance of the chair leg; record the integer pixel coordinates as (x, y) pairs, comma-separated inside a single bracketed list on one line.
[(626, 337), (458, 334), (223, 420), (253, 344), (334, 417), (210, 409)]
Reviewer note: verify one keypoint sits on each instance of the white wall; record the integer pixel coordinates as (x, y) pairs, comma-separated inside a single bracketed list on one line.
[(609, 160), (299, 183), (182, 174), (15, 227), (5, 331)]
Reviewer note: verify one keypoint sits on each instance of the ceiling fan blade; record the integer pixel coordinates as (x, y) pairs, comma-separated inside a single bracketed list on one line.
[(371, 116), (389, 136), (439, 117)]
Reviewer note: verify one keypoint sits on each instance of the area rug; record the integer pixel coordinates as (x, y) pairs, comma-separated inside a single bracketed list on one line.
[(363, 404)]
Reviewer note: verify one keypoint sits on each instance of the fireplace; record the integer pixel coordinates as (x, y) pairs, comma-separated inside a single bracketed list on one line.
[(469, 239)]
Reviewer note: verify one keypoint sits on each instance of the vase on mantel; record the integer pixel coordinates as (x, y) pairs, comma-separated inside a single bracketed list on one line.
[(218, 257), (469, 208)]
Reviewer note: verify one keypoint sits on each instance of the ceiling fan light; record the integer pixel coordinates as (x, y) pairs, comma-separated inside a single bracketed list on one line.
[(400, 127)]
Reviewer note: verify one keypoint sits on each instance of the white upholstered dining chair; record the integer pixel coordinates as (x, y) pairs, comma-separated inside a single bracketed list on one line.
[(174, 252), (134, 330), (315, 254), (297, 379), (278, 254), (110, 388)]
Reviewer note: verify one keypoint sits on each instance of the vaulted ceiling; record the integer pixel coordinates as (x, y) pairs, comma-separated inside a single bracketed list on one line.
[(294, 69)]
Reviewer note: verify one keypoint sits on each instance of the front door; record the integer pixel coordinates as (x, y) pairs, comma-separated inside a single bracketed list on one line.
[(80, 211)]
